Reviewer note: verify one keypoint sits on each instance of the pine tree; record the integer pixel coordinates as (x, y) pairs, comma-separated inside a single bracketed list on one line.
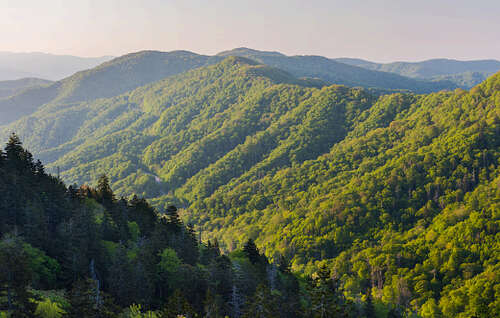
[(173, 217), (83, 299), (251, 251), (104, 191), (15, 155), (325, 300)]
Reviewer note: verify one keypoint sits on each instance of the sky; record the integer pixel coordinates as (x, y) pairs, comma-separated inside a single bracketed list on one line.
[(382, 30)]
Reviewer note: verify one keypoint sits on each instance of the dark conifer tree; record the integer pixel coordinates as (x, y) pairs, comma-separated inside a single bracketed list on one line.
[(251, 251), (104, 191), (173, 217)]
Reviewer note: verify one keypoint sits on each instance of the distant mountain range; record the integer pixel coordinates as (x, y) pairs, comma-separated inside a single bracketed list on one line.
[(130, 71), (463, 73), (42, 65), (335, 72)]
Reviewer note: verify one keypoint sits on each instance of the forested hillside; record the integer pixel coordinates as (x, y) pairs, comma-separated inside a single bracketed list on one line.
[(405, 207), (82, 253), (106, 80), (397, 194)]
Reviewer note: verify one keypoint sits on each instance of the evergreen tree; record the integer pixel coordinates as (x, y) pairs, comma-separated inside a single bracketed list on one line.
[(173, 217), (325, 300), (104, 191), (251, 251)]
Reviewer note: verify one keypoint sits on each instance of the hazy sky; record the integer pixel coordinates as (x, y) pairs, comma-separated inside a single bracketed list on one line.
[(383, 30)]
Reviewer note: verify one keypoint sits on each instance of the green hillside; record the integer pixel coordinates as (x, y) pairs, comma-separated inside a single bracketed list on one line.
[(13, 87), (106, 80), (398, 193)]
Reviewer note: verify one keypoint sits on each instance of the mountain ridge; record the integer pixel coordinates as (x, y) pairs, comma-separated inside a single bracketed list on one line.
[(466, 74), (136, 69)]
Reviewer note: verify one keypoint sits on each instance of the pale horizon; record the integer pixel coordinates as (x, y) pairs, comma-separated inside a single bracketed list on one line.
[(385, 32)]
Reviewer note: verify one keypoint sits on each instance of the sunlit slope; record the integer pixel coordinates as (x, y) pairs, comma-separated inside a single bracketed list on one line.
[(106, 80)]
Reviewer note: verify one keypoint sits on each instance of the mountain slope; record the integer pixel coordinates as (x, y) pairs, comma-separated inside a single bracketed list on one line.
[(14, 87), (406, 206), (464, 73), (108, 79), (339, 73), (50, 66)]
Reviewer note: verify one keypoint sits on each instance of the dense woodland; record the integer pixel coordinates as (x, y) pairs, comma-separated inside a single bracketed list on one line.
[(360, 202), (81, 252)]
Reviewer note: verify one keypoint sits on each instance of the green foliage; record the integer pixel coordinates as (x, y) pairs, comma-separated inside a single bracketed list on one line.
[(44, 268), (49, 309), (135, 312), (169, 262)]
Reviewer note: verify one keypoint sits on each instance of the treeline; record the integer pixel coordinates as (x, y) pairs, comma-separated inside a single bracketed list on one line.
[(82, 252)]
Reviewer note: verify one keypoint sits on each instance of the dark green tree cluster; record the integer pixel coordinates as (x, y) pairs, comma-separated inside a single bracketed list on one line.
[(113, 257)]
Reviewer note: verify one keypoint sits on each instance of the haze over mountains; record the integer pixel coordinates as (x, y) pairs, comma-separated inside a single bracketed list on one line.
[(133, 70), (464, 73), (43, 65)]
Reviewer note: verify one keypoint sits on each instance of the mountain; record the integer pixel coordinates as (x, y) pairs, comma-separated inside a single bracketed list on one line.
[(14, 87), (42, 65), (465, 74), (106, 80), (335, 72), (398, 193), (133, 70)]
